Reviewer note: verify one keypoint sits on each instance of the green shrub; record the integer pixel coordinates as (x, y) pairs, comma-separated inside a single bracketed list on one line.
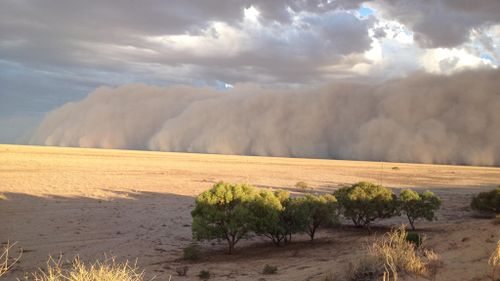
[(270, 269), (414, 238), (487, 202), (191, 252), (292, 218), (223, 213), (204, 274), (277, 216), (365, 202), (416, 205), (318, 210)]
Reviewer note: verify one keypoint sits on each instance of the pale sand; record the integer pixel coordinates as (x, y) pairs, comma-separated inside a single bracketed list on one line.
[(136, 204)]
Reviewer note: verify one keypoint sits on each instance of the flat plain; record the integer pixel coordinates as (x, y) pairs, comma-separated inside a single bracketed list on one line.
[(136, 205)]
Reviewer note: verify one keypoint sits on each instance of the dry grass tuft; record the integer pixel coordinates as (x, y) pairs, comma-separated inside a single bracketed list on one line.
[(496, 220), (6, 261), (432, 265), (494, 261), (109, 270), (366, 269), (399, 255), (389, 256)]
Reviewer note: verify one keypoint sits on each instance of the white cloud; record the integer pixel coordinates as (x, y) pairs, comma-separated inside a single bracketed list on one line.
[(218, 40), (447, 61), (251, 14)]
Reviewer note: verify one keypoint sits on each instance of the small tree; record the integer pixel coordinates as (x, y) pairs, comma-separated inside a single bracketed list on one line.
[(487, 202), (223, 213), (277, 216), (293, 217), (318, 210), (266, 211), (365, 202), (416, 205)]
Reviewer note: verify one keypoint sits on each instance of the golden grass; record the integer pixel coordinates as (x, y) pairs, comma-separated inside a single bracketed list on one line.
[(494, 261), (109, 270), (399, 255), (6, 260)]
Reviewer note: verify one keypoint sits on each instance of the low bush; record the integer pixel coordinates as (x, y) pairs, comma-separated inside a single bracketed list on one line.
[(414, 238), (191, 252), (365, 202), (418, 205), (204, 275), (487, 202), (302, 185), (270, 269)]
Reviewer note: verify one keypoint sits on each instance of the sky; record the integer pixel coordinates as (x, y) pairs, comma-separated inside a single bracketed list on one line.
[(55, 52)]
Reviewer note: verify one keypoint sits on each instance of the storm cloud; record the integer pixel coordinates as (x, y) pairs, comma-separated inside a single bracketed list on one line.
[(329, 58), (423, 118), (443, 23)]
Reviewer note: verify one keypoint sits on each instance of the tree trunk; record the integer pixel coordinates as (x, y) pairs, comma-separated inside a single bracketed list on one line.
[(312, 231), (231, 241), (411, 222)]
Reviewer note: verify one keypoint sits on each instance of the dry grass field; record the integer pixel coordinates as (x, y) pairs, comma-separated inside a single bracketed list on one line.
[(136, 205)]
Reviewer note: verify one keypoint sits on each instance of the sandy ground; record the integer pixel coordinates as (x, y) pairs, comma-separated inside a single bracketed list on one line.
[(136, 204)]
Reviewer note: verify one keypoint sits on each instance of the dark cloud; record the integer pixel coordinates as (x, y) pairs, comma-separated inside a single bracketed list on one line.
[(442, 23), (109, 37)]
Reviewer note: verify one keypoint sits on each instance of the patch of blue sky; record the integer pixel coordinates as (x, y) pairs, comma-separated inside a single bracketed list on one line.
[(489, 57), (365, 11)]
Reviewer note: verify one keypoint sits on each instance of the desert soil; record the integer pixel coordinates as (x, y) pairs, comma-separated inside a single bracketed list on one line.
[(136, 205)]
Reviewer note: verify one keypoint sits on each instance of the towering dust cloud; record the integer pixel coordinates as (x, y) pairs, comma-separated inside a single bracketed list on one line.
[(423, 118)]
